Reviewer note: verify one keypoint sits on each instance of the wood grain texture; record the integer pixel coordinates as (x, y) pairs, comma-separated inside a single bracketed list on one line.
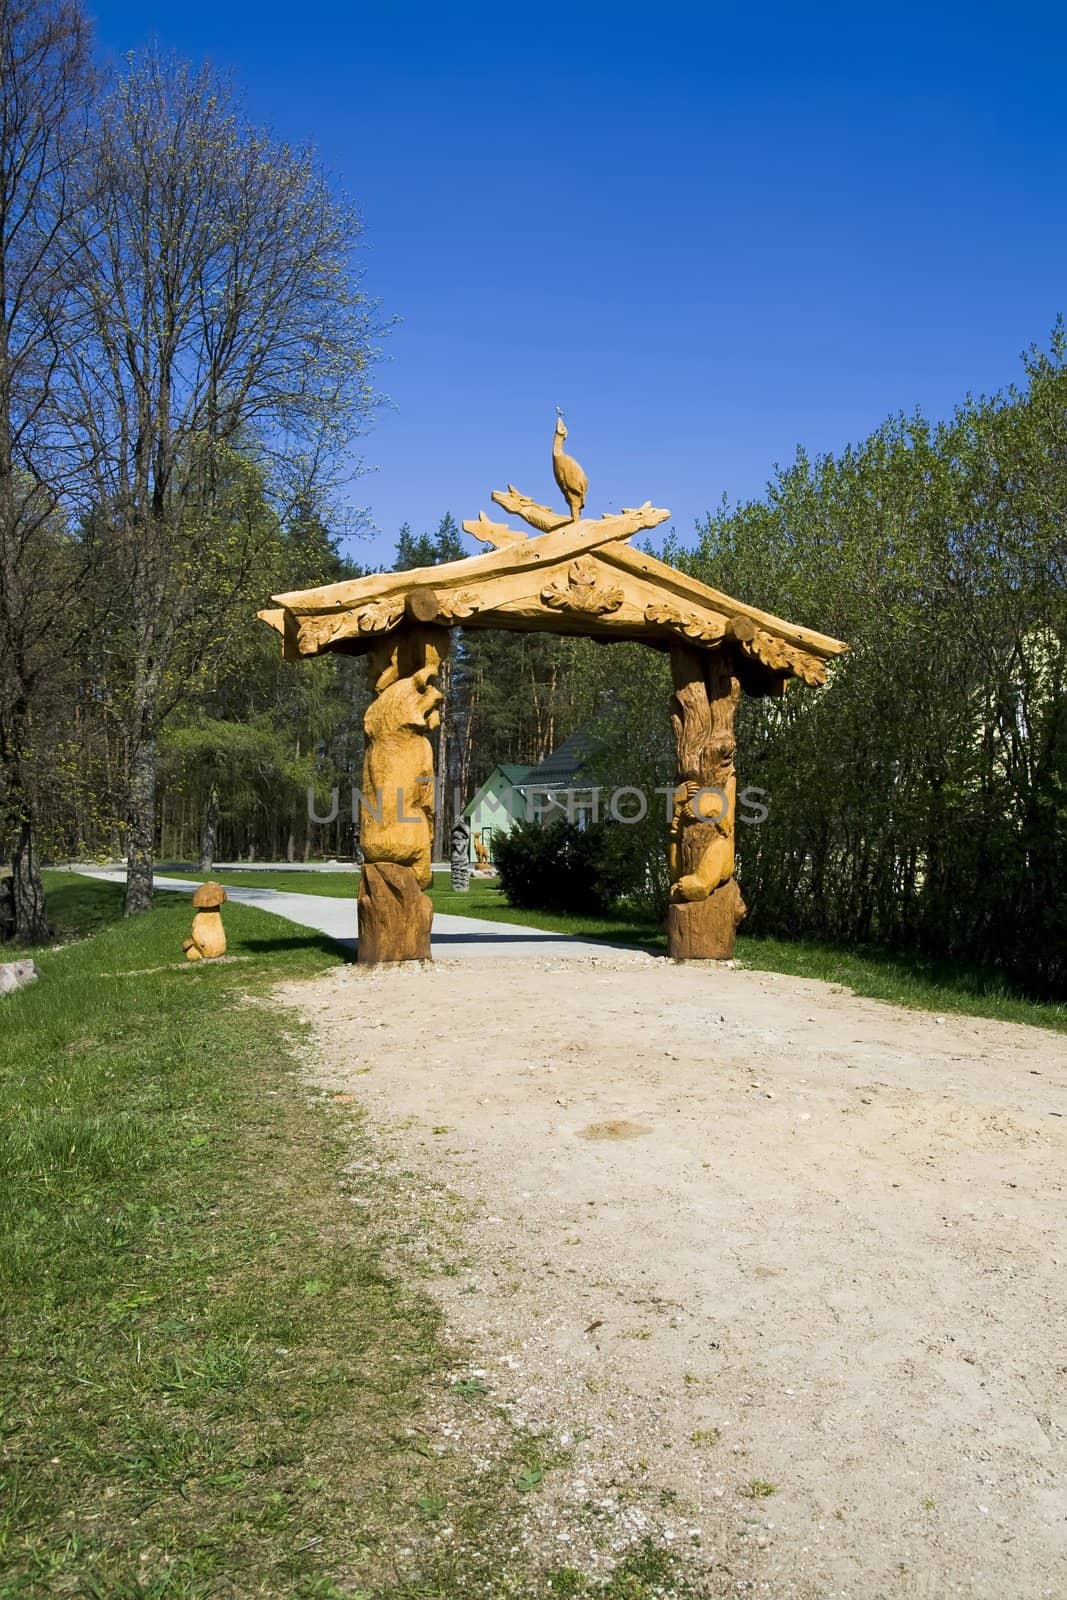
[(700, 852), (571, 582), (396, 832), (395, 916), (569, 476), (563, 545), (705, 930), (398, 777), (543, 518)]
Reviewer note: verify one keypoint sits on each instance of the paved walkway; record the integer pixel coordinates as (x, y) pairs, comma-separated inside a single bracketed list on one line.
[(454, 938)]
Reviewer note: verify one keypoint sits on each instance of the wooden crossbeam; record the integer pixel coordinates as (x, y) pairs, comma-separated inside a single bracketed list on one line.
[(573, 540)]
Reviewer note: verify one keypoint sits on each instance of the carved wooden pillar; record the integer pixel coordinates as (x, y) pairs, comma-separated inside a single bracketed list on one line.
[(398, 796), (706, 904)]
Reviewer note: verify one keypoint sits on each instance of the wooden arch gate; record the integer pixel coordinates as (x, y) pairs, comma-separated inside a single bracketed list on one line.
[(575, 575)]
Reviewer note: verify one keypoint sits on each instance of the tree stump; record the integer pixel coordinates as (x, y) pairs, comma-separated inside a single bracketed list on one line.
[(394, 915), (704, 930)]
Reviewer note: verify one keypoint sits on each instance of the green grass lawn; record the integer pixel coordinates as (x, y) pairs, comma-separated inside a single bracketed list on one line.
[(80, 906), (902, 980), (293, 880), (208, 1376), (485, 899), (210, 1381), (875, 974)]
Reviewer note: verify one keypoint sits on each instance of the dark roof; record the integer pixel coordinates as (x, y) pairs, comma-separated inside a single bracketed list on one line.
[(562, 767), (516, 776)]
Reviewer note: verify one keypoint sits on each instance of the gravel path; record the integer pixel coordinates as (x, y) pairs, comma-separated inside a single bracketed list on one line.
[(782, 1270)]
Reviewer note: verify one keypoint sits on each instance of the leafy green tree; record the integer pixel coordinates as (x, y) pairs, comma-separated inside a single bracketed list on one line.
[(220, 375), (919, 799), (44, 88), (261, 731)]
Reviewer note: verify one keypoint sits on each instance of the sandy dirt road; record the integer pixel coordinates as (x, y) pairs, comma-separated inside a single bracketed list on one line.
[(817, 1242)]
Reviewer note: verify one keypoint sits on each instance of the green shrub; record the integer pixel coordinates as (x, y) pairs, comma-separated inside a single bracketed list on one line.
[(562, 867)]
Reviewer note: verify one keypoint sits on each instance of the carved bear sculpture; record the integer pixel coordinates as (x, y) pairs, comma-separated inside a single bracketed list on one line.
[(715, 864), (398, 773)]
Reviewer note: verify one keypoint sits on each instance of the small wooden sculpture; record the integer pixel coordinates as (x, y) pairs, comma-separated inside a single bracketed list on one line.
[(481, 850), (208, 940), (571, 479), (461, 855)]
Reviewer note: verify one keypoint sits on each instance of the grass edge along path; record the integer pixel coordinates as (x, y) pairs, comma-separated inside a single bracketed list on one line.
[(898, 978), (210, 1382)]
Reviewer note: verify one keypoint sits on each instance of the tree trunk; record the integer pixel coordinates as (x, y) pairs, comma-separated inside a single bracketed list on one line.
[(704, 930), (112, 822), (209, 828), (27, 890), (141, 826), (31, 922), (394, 916)]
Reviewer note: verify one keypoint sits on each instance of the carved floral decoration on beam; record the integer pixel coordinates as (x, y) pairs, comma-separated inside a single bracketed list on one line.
[(583, 591), (454, 607), (774, 653), (703, 630), (317, 632), (381, 616)]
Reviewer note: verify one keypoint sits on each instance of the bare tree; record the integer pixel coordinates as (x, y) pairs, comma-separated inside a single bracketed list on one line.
[(225, 340), (44, 91)]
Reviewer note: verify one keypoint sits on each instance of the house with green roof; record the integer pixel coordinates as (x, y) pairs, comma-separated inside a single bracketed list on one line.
[(513, 794), (561, 770), (497, 805)]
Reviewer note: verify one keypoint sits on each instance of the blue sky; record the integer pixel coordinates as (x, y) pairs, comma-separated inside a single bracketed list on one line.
[(709, 232)]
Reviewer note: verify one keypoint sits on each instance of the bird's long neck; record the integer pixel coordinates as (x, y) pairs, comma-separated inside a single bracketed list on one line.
[(557, 443)]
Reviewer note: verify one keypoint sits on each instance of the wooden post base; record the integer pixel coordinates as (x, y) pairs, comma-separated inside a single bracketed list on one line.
[(394, 915), (704, 930)]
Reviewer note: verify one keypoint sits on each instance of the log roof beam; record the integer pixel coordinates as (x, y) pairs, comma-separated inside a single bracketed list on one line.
[(579, 577)]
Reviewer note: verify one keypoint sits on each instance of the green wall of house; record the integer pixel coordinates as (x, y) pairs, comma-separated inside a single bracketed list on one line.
[(496, 807)]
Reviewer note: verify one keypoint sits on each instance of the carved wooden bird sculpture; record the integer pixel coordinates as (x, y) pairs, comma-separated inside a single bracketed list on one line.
[(569, 475)]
